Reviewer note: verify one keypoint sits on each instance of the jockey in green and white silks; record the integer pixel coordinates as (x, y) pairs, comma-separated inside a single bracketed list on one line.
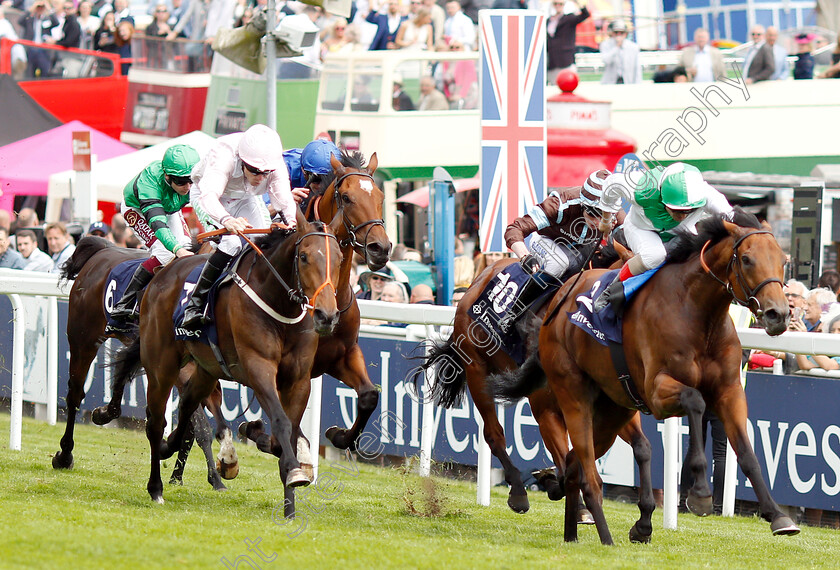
[(662, 201)]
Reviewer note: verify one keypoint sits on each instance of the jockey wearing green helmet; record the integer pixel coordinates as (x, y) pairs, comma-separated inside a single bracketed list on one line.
[(152, 204), (662, 201)]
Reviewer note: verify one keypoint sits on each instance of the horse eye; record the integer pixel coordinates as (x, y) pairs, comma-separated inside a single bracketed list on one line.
[(302, 257), (746, 260), (346, 199)]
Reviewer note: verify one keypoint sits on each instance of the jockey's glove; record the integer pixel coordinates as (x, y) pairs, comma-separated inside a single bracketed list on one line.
[(531, 264)]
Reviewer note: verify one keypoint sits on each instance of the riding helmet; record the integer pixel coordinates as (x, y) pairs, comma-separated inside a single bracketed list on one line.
[(682, 187), (315, 157), (261, 148), (179, 160), (593, 188)]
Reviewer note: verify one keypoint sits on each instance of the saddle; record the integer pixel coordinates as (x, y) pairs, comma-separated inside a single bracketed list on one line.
[(115, 286)]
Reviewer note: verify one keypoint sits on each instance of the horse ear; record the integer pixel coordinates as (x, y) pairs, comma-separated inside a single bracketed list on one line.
[(336, 166), (372, 164), (733, 229), (766, 226), (335, 224), (300, 219)]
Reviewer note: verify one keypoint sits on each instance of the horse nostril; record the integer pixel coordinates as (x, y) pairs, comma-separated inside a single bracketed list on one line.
[(772, 315), (374, 249)]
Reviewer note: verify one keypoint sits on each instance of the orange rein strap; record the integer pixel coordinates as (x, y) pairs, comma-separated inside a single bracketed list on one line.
[(702, 257), (222, 231), (329, 279)]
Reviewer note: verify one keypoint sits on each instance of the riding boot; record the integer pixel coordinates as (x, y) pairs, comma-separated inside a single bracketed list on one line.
[(126, 309), (612, 295), (529, 293), (194, 312)]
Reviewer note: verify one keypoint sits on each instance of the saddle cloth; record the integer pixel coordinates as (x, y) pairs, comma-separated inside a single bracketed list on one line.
[(499, 300), (115, 286), (208, 333), (605, 326)]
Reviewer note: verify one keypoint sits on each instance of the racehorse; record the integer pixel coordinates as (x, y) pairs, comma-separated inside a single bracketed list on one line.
[(682, 352), (470, 354), (267, 337), (90, 266)]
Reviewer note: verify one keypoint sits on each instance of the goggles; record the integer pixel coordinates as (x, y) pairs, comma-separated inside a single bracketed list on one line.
[(256, 171)]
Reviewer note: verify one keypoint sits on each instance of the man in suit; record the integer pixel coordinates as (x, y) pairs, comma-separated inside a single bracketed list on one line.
[(621, 56), (703, 62), (71, 31), (401, 100), (759, 65), (562, 35), (388, 25), (37, 26)]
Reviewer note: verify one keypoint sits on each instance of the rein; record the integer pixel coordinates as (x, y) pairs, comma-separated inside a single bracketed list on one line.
[(556, 309), (734, 265), (351, 239)]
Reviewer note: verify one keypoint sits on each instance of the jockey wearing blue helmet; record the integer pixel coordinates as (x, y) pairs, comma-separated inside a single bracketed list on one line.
[(315, 164)]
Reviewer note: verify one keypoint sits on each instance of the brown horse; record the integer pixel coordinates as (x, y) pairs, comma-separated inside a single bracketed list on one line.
[(90, 266), (683, 354), (465, 360), (267, 330)]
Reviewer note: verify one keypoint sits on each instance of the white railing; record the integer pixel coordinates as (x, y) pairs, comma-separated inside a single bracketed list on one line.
[(16, 283)]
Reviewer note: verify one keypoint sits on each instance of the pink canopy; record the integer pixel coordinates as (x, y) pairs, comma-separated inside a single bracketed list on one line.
[(26, 165)]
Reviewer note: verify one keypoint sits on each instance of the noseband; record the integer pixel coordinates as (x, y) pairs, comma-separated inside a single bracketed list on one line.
[(351, 229), (735, 266)]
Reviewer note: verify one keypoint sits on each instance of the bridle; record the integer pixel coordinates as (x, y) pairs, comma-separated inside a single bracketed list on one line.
[(351, 240), (735, 266)]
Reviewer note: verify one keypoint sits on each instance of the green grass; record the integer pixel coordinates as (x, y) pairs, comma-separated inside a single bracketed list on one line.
[(100, 516)]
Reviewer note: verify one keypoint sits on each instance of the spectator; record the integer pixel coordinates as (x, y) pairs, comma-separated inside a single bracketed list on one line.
[(830, 279), (676, 74), (416, 33), (335, 39), (458, 26), (393, 292), (160, 28), (562, 35), (88, 23), (430, 98), (372, 283), (422, 294), (458, 294), (759, 63), (176, 14), (122, 39), (26, 218), (37, 26), (807, 362), (438, 15), (621, 56), (795, 292), (804, 66), (780, 54), (105, 37), (244, 18), (59, 243), (817, 302), (9, 258), (18, 52), (388, 24), (401, 101), (68, 32), (34, 258), (5, 220), (118, 230), (485, 260), (703, 62), (99, 229), (459, 79)]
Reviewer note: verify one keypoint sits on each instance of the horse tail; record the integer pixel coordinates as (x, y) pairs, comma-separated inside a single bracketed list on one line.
[(451, 376), (126, 363), (87, 248), (517, 383)]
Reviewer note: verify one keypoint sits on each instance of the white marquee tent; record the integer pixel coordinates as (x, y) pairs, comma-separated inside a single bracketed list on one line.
[(111, 176)]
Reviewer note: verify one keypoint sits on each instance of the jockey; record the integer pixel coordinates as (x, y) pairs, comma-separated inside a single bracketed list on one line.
[(227, 185), (566, 226), (152, 204), (307, 167), (663, 200)]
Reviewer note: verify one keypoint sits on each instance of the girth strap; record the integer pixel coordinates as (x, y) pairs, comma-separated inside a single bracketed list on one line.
[(620, 365)]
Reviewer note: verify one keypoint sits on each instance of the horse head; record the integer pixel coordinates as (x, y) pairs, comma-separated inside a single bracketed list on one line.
[(755, 275), (317, 259), (355, 195)]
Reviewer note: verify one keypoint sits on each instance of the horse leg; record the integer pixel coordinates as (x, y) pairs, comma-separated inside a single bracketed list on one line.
[(113, 409), (294, 399), (200, 427), (193, 393), (183, 453), (81, 355), (699, 499), (227, 461), (731, 408), (632, 433), (572, 486), (156, 397), (494, 435), (351, 370)]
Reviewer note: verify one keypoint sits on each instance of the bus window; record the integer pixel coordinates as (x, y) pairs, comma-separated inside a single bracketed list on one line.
[(335, 88), (366, 89)]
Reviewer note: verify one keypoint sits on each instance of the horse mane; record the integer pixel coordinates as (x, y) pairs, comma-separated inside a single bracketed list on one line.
[(711, 230), (277, 237), (86, 248), (353, 159)]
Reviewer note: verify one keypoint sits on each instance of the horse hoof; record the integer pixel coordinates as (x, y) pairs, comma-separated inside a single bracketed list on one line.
[(336, 436), (518, 503), (309, 470), (227, 470), (585, 517), (158, 500), (59, 463), (102, 416), (297, 478), (783, 526), (243, 431), (176, 481), (638, 537), (700, 506)]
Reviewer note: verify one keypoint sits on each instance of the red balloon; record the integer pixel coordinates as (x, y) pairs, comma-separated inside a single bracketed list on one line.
[(567, 81)]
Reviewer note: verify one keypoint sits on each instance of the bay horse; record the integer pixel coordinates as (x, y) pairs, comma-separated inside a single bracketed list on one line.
[(267, 337), (470, 355), (90, 265), (682, 352)]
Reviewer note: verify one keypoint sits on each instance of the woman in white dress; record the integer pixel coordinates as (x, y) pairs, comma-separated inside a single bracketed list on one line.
[(417, 32)]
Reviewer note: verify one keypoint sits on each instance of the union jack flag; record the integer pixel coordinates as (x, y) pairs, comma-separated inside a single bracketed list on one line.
[(513, 147)]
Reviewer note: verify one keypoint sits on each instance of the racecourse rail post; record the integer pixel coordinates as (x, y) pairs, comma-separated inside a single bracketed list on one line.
[(426, 434), (17, 373), (311, 422), (443, 219), (670, 490), (484, 468)]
